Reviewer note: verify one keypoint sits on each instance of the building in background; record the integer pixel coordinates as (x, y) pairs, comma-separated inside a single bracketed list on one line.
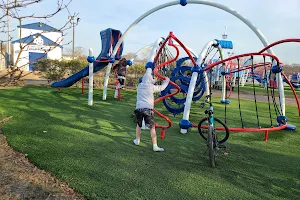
[(41, 41), (2, 62)]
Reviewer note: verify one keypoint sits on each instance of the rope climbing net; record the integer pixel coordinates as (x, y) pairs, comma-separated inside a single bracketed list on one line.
[(174, 96)]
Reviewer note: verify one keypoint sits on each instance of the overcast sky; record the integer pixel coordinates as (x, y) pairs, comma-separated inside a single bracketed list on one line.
[(193, 24)]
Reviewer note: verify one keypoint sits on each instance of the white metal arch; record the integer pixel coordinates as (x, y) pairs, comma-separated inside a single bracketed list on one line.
[(202, 2), (142, 50), (145, 48)]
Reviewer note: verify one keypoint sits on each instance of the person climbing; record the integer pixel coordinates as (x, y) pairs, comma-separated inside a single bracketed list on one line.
[(120, 70), (145, 105)]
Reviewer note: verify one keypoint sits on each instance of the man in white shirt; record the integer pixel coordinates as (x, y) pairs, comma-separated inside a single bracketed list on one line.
[(145, 105)]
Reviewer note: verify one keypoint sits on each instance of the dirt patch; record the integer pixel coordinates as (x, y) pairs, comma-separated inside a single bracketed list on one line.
[(20, 179)]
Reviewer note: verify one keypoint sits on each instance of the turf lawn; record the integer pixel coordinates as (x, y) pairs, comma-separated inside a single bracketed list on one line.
[(91, 148)]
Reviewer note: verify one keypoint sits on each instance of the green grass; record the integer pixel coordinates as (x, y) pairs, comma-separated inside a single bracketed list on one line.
[(91, 149)]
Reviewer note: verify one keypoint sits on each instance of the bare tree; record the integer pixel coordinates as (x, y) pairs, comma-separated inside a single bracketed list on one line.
[(79, 52), (14, 10)]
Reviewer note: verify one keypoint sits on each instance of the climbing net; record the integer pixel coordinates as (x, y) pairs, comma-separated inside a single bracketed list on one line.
[(260, 71), (258, 63)]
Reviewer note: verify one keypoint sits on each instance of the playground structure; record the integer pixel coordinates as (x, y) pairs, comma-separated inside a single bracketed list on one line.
[(234, 77), (275, 63), (146, 51), (109, 38), (263, 78), (194, 86), (295, 80)]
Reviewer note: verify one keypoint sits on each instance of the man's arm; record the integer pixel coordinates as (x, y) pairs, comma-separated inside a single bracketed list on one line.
[(159, 88)]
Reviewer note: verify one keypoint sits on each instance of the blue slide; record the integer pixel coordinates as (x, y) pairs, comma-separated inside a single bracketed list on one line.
[(79, 75), (257, 77), (109, 38), (295, 80)]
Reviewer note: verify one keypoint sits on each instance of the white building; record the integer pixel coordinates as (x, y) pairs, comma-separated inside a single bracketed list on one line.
[(40, 41), (2, 62)]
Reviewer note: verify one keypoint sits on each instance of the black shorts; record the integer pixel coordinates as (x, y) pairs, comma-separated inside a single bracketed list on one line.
[(146, 114), (121, 81)]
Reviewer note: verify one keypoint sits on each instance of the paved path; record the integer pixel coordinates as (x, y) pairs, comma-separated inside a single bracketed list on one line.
[(261, 98)]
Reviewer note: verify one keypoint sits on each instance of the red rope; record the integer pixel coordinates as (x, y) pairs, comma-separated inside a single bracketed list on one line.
[(249, 67), (239, 56), (279, 42), (288, 81)]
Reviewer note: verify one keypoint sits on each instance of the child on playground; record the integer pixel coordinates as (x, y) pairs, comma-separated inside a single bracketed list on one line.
[(144, 106), (120, 70)]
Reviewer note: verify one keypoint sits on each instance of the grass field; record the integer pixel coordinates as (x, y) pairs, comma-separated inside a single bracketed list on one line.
[(91, 149)]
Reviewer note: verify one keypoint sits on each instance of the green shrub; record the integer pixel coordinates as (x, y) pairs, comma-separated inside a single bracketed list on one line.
[(53, 69), (136, 69), (131, 82), (75, 65)]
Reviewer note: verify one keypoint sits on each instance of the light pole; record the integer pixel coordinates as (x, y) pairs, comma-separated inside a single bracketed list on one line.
[(8, 35), (71, 18)]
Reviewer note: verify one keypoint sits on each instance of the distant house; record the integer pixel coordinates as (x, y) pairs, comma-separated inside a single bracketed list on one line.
[(41, 41), (2, 62)]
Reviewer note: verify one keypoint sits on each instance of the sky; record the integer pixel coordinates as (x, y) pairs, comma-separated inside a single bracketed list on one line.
[(193, 24)]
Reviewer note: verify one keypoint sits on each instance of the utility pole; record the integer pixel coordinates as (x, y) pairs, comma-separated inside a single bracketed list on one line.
[(1, 56), (8, 35), (73, 40), (71, 18)]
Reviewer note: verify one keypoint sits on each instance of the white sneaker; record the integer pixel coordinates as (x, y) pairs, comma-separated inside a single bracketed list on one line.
[(136, 142), (157, 149)]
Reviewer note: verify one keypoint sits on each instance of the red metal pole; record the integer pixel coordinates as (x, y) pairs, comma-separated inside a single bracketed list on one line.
[(119, 94), (162, 133), (82, 86), (266, 136), (280, 42)]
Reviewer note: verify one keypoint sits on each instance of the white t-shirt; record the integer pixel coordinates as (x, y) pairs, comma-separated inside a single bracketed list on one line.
[(146, 89)]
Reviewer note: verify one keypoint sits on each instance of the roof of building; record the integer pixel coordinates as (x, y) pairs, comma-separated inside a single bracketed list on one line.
[(31, 40), (40, 26)]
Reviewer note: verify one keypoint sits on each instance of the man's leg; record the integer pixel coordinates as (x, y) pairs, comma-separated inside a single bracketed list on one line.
[(121, 81), (139, 119), (137, 135), (153, 136), (154, 140), (149, 121)]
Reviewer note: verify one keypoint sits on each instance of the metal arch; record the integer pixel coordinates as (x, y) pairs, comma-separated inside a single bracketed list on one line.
[(147, 47), (140, 51), (257, 32)]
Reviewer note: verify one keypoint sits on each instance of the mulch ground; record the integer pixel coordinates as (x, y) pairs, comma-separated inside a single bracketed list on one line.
[(20, 179)]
